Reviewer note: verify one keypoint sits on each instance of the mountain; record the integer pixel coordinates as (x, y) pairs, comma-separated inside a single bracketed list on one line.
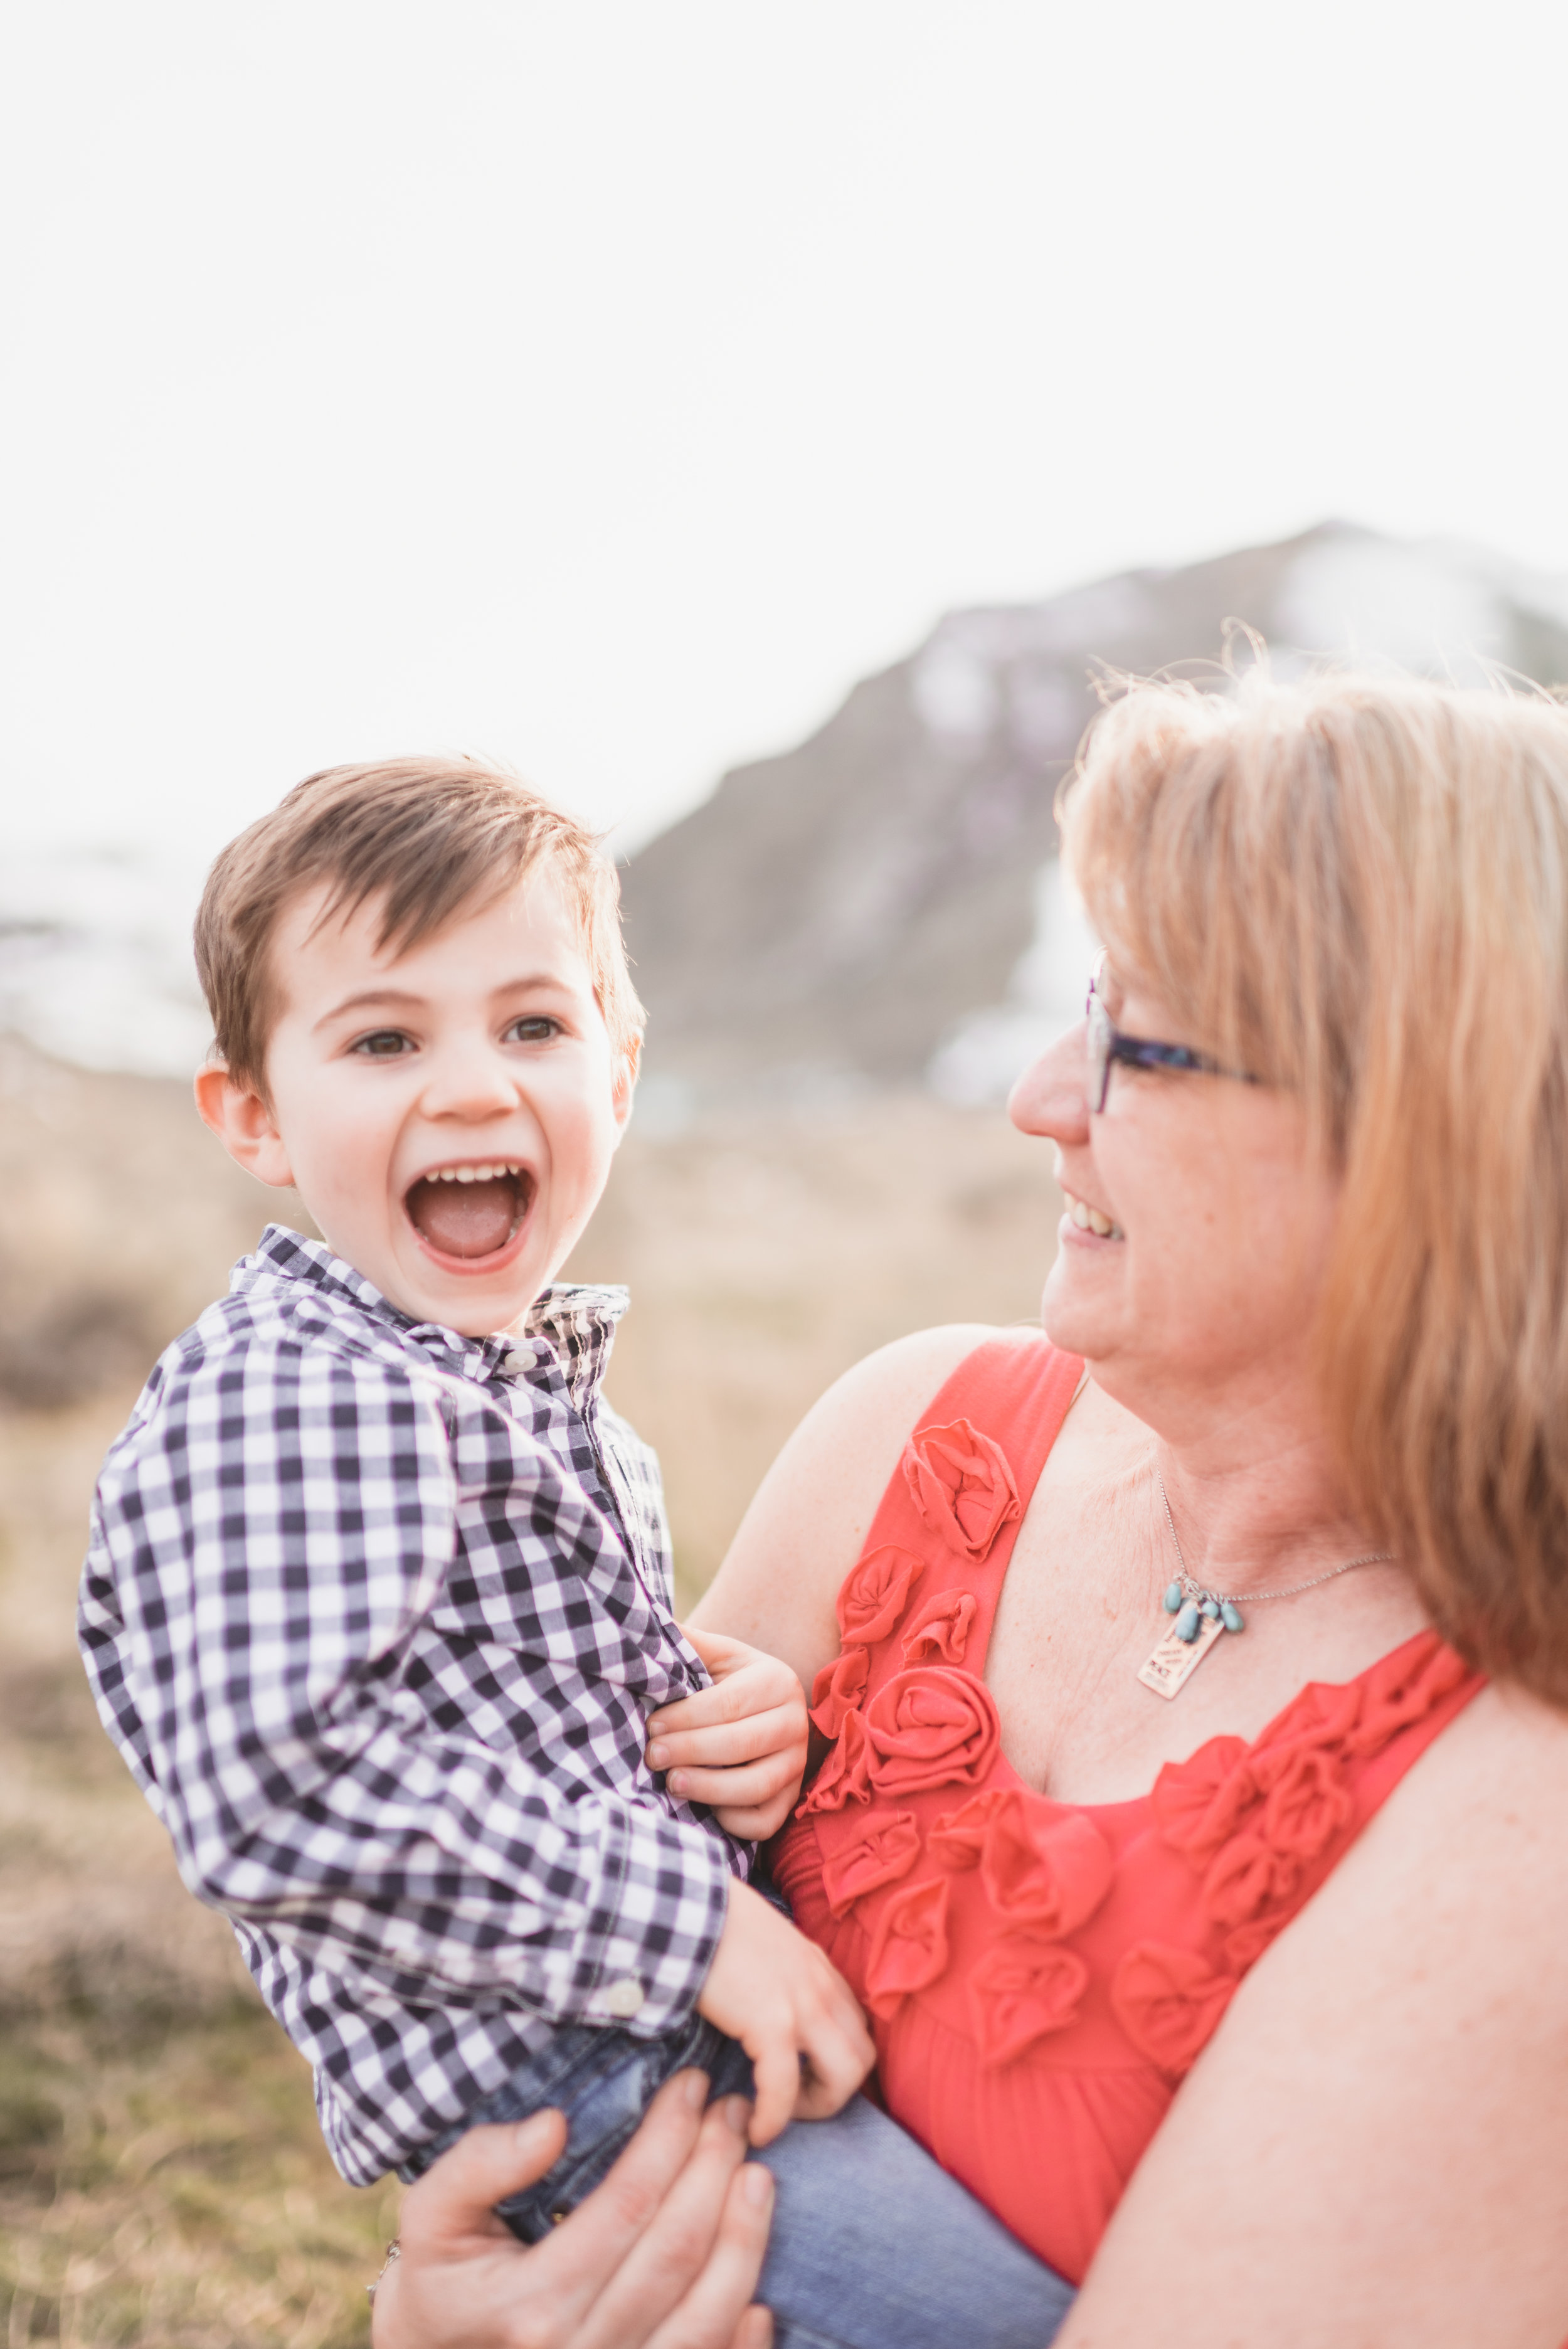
[(882, 904)]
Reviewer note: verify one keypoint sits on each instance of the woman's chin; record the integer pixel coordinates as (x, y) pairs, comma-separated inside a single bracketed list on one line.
[(1077, 1322)]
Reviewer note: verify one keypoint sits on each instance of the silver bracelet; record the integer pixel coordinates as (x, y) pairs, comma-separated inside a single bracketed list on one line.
[(394, 2252)]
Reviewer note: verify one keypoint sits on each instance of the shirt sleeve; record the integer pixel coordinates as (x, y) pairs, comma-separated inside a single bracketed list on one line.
[(265, 1540)]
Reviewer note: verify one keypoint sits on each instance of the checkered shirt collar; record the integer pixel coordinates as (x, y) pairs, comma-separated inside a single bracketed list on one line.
[(569, 1327)]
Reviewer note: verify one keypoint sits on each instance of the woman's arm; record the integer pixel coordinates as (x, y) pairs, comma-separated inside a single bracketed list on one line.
[(664, 2255), (809, 1521), (1373, 2152)]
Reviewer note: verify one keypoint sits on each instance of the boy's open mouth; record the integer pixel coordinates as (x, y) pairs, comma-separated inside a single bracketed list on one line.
[(469, 1211)]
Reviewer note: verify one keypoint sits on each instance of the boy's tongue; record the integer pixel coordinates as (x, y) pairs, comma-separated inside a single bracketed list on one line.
[(464, 1218)]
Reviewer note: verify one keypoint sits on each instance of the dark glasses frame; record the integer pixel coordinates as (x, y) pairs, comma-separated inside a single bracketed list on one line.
[(1108, 1044)]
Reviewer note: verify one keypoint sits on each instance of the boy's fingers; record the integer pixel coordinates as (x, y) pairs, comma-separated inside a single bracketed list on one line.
[(661, 2268), (754, 1688), (838, 2054), (745, 1782), (713, 1647), (777, 2073), (729, 1699), (722, 1743), (455, 2199), (705, 2318), (703, 1706)]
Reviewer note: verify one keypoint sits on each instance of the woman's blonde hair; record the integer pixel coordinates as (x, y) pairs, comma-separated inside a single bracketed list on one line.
[(1358, 888)]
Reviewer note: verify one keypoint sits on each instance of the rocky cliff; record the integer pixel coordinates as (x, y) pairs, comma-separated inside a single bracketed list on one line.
[(878, 904)]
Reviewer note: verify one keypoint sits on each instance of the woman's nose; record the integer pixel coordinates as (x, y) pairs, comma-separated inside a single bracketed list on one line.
[(1050, 1097)]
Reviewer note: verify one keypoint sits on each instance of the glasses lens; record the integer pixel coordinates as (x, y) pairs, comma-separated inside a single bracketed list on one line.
[(1099, 1036)]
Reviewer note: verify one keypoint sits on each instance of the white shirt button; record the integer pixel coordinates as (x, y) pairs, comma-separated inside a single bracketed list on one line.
[(514, 1364), (624, 1999)]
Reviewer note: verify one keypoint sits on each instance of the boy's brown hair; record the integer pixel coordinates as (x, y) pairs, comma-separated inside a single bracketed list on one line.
[(428, 836)]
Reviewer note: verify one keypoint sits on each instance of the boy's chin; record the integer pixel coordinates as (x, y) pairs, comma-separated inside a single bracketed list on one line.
[(473, 1297)]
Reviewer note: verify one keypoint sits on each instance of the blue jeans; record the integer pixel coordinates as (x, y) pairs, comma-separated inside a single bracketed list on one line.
[(872, 2245)]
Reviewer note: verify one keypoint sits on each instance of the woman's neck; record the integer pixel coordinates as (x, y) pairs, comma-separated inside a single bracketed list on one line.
[(1253, 1492)]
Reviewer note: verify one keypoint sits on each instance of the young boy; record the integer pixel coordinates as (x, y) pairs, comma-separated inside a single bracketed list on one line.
[(378, 1602)]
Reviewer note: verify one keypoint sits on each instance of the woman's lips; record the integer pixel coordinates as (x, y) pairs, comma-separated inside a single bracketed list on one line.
[(470, 1226)]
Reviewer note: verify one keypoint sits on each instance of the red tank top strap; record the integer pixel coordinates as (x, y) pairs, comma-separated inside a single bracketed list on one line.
[(940, 1543)]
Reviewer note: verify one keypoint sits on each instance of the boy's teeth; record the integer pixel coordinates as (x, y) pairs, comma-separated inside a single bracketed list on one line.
[(471, 1174)]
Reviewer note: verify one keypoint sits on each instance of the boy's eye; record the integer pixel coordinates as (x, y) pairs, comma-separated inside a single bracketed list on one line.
[(534, 1029), (384, 1044)]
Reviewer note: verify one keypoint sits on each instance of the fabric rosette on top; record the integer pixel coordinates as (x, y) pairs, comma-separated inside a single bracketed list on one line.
[(873, 1594), (959, 1480), (1045, 1868), (1023, 1988), (931, 1726), (939, 1632), (839, 1687), (909, 1947), (1260, 1821), (1170, 2003), (845, 1776), (882, 1855)]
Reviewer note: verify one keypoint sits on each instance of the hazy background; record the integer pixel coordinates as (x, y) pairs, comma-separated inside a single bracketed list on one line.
[(608, 386), (643, 395)]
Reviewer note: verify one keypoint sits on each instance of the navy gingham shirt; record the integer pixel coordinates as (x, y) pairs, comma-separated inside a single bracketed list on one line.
[(375, 1614)]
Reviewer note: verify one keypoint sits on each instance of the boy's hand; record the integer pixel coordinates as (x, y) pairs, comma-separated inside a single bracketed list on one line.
[(791, 2010), (740, 1745)]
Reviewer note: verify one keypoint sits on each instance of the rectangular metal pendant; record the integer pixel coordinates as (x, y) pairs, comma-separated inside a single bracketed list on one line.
[(1173, 1662)]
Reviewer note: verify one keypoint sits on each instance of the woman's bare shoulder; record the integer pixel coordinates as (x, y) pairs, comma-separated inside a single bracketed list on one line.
[(890, 1389), (1391, 2079), (808, 1520)]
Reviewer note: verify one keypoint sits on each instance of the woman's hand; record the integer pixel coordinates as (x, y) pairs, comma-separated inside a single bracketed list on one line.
[(664, 2255), (740, 1745)]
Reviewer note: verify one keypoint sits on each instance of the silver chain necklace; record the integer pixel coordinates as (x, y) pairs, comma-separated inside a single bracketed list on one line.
[(1202, 1615)]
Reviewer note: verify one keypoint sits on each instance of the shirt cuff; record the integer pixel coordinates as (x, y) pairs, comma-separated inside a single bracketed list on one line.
[(666, 1911)]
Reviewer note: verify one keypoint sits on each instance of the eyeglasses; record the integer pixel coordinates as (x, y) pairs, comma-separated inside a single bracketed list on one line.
[(1107, 1045)]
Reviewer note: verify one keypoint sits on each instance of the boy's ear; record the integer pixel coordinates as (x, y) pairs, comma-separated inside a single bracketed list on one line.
[(625, 1082), (244, 1125)]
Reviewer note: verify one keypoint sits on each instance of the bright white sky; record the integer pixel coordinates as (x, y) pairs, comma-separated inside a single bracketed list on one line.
[(607, 384)]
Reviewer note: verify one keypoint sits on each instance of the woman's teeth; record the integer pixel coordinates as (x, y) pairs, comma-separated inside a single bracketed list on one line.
[(1090, 1219)]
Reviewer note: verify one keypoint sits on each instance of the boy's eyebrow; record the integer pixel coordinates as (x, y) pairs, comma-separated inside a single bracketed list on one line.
[(367, 995)]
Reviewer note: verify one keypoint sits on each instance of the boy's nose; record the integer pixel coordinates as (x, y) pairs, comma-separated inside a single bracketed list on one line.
[(468, 1081), (1051, 1098)]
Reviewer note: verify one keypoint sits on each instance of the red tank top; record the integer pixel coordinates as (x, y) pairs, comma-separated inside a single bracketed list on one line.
[(1040, 1975)]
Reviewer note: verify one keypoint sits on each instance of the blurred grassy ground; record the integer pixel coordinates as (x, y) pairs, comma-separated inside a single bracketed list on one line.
[(162, 2177)]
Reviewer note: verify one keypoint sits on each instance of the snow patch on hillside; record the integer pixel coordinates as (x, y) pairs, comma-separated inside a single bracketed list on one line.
[(95, 959), (986, 1054)]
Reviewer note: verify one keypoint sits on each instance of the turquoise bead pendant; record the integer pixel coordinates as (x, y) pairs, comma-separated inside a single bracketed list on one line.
[(1191, 1614)]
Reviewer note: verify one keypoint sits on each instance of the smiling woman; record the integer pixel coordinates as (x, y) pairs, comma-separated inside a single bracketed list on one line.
[(1305, 1343)]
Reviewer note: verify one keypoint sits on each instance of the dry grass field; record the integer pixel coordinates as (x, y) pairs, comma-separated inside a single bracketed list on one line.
[(161, 2180)]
